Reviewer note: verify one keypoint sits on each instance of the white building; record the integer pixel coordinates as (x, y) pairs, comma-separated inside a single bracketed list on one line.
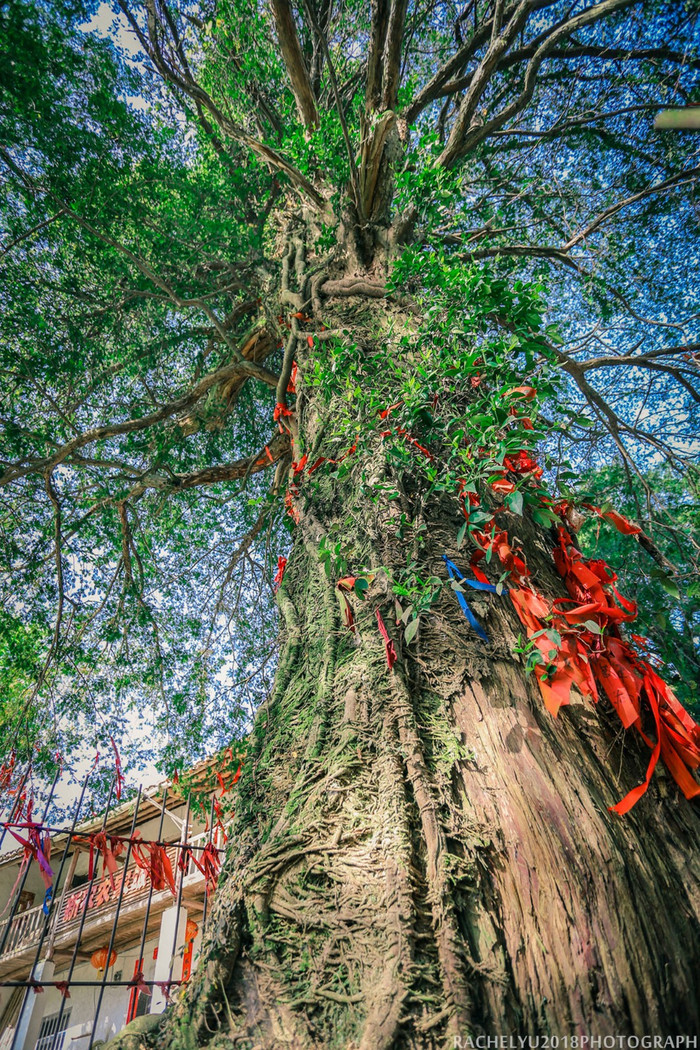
[(145, 939)]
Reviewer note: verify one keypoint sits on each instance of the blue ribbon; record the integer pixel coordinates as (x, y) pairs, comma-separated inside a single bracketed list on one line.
[(477, 585), (48, 897)]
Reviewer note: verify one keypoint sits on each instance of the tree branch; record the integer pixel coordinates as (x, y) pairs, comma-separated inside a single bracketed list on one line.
[(481, 34), (182, 80), (659, 187), (277, 448), (464, 135), (294, 62), (392, 53), (225, 374), (524, 251)]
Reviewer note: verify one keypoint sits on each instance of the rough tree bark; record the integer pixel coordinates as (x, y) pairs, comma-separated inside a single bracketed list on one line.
[(426, 853)]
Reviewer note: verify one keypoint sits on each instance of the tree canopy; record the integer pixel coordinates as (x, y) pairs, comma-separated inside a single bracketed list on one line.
[(493, 166)]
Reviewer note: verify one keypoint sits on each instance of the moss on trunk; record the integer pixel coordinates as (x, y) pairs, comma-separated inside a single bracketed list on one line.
[(425, 853)]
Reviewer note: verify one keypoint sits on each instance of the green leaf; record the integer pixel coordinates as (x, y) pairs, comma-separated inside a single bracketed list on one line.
[(411, 631), (514, 502), (671, 587), (667, 582), (543, 516), (361, 586)]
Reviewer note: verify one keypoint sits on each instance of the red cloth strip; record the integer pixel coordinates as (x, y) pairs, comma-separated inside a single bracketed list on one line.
[(291, 385), (279, 575), (118, 768), (389, 648), (137, 981)]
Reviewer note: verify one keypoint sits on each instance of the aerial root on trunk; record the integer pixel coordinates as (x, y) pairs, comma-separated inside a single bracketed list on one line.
[(445, 924)]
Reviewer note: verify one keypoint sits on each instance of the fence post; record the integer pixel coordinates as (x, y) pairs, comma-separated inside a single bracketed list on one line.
[(116, 920)]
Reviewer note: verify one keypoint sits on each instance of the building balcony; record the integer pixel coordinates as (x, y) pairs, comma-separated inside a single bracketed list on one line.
[(62, 936)]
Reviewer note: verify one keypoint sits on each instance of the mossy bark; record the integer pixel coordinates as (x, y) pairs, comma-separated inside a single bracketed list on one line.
[(424, 853)]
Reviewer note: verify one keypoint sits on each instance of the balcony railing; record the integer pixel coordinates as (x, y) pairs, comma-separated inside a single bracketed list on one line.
[(24, 929), (26, 926)]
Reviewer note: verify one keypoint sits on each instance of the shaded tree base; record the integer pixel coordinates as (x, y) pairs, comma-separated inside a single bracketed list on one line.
[(426, 854)]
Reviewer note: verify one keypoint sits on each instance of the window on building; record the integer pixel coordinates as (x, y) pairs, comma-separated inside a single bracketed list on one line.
[(51, 1033), (24, 901)]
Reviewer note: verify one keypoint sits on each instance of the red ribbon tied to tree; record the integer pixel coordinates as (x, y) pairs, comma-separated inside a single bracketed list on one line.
[(219, 818), (166, 988), (209, 863), (210, 866), (279, 575), (291, 385), (7, 770), (588, 659), (389, 647), (37, 845), (344, 587), (525, 393), (279, 413), (622, 524)]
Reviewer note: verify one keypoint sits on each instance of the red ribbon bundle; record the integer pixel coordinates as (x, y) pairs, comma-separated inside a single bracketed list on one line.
[(590, 659), (209, 864), (156, 865), (110, 850), (7, 770), (585, 658), (280, 412)]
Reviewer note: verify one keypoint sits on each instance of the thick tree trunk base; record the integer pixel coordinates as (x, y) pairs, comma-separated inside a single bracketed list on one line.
[(426, 853)]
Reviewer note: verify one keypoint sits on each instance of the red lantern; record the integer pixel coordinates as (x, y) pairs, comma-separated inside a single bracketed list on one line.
[(99, 958), (191, 931)]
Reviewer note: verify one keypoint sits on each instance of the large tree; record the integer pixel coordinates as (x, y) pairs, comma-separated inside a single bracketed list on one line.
[(403, 292)]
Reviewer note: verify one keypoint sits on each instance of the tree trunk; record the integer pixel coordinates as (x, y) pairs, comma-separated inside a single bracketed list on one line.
[(424, 853)]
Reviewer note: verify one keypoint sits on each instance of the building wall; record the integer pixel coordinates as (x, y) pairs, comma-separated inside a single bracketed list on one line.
[(83, 1001)]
